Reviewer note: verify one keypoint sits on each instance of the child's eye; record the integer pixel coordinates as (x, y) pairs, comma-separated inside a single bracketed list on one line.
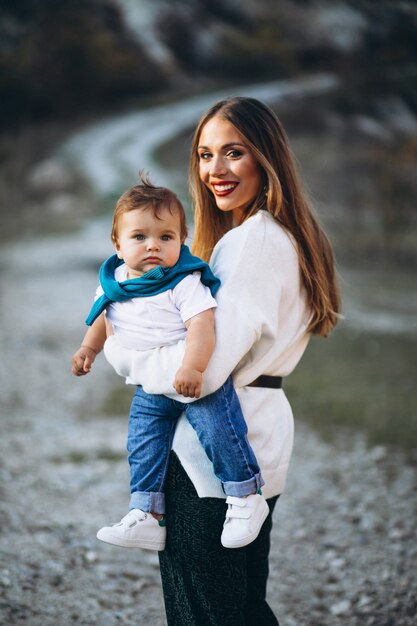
[(140, 237), (166, 237)]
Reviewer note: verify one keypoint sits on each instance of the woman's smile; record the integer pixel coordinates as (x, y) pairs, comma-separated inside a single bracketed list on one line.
[(224, 188)]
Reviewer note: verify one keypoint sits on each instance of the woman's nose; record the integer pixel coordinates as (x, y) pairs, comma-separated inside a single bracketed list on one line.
[(218, 166)]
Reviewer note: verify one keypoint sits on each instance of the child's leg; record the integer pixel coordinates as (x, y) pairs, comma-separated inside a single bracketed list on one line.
[(151, 430), (221, 428), (152, 423), (219, 423)]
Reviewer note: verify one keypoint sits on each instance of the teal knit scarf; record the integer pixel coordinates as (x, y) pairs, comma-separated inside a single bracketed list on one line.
[(150, 284)]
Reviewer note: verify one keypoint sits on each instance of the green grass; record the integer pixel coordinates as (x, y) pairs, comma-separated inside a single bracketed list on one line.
[(359, 380), (117, 401), (79, 458)]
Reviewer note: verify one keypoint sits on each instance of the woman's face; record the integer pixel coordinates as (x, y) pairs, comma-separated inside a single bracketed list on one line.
[(227, 167)]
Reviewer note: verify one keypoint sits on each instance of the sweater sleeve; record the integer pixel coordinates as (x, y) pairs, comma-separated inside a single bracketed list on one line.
[(153, 369), (247, 315)]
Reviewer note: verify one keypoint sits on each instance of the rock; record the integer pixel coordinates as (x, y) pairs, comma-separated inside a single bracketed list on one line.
[(396, 534), (378, 453), (61, 204), (340, 608), (91, 556), (50, 176), (371, 127), (364, 601), (398, 115), (337, 563), (5, 578)]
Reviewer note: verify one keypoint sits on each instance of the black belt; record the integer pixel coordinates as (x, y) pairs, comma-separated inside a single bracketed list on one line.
[(272, 382)]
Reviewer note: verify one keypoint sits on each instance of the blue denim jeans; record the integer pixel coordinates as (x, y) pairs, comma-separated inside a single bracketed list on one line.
[(221, 429)]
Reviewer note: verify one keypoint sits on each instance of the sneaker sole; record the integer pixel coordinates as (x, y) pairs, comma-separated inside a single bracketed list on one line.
[(241, 543), (132, 543)]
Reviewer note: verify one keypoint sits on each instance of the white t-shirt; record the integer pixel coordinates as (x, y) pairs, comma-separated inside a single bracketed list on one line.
[(152, 321)]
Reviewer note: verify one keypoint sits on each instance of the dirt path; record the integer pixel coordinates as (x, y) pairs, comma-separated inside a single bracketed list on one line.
[(111, 152)]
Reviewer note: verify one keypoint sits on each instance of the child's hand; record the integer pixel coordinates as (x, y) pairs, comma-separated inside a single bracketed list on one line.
[(82, 361), (188, 382)]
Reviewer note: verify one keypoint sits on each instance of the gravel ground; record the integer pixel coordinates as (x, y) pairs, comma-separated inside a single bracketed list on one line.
[(344, 541)]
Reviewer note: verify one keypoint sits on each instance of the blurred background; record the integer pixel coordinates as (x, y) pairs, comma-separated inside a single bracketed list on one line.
[(92, 91)]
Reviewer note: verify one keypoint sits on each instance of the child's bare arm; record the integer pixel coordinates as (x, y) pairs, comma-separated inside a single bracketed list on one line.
[(199, 347), (91, 345)]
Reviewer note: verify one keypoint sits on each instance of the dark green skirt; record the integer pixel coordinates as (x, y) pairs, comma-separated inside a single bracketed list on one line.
[(205, 584)]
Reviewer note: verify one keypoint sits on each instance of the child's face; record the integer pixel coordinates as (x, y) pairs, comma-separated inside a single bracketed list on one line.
[(145, 241)]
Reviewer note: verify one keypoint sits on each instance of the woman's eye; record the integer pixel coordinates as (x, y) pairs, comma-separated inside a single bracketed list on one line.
[(204, 156), (234, 154)]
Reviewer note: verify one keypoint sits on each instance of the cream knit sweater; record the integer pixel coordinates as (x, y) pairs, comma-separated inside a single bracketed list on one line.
[(261, 323)]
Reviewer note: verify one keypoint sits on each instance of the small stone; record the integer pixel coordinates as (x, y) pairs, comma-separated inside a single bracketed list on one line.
[(364, 601), (330, 554), (61, 203), (378, 453), (49, 176), (386, 574), (90, 556), (332, 579), (340, 607), (301, 533), (319, 592), (396, 534), (367, 522), (5, 579)]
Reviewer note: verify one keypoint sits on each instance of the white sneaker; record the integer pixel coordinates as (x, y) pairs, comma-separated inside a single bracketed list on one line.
[(244, 519), (137, 529)]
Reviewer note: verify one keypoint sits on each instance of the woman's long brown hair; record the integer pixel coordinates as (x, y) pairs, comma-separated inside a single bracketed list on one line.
[(281, 193)]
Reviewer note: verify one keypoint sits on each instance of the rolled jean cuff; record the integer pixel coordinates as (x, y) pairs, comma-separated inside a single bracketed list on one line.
[(147, 501), (245, 487)]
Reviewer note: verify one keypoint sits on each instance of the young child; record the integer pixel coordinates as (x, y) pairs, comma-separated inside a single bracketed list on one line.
[(154, 292)]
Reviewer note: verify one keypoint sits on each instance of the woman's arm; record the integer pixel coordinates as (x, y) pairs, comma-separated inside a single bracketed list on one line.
[(155, 369)]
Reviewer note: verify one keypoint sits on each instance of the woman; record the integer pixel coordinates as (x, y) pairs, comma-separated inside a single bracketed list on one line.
[(257, 229)]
